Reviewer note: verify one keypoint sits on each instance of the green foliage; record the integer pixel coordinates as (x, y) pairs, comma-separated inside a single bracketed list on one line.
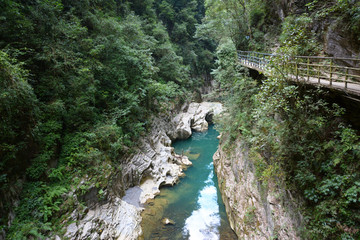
[(238, 89), (344, 15), (250, 216), (180, 19), (18, 111), (297, 37), (298, 140), (78, 82), (294, 138), (40, 201), (251, 24)]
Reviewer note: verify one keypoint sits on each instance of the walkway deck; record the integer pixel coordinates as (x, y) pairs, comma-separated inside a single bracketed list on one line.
[(320, 71)]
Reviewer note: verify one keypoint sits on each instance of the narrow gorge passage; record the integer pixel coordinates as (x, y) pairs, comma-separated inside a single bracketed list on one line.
[(194, 204)]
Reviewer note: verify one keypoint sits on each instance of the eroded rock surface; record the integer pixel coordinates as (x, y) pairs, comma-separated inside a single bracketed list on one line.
[(195, 118), (153, 164), (252, 214), (114, 220)]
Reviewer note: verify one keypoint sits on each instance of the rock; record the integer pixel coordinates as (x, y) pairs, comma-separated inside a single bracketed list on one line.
[(251, 215), (95, 236), (339, 45), (86, 231), (185, 161), (197, 117), (183, 129), (200, 125), (115, 220), (71, 230), (167, 221), (132, 196)]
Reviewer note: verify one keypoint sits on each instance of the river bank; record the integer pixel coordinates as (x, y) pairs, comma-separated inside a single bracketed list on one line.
[(193, 206), (154, 164)]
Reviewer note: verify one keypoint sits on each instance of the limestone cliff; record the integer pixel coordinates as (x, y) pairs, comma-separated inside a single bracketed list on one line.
[(253, 212)]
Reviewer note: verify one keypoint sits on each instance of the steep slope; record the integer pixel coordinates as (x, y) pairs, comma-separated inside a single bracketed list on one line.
[(79, 83)]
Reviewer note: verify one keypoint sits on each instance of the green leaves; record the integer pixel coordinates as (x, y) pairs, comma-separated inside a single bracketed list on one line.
[(88, 77), (51, 201), (353, 193), (297, 37), (296, 137), (18, 111)]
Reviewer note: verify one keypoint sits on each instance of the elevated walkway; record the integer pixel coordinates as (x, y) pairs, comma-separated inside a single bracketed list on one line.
[(328, 72)]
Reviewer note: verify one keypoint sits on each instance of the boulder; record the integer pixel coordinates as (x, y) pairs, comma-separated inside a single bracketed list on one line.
[(197, 117), (183, 123), (167, 221)]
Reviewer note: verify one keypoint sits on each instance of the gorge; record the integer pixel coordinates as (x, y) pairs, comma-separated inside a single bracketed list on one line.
[(155, 164), (99, 100)]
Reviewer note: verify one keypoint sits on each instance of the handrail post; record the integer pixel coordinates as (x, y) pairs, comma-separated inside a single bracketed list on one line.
[(308, 69), (331, 64), (318, 74), (252, 59), (296, 70), (263, 62), (346, 77)]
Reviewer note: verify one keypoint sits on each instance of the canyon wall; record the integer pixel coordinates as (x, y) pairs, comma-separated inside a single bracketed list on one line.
[(254, 212)]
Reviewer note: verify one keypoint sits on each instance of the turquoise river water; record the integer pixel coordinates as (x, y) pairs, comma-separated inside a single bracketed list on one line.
[(195, 203)]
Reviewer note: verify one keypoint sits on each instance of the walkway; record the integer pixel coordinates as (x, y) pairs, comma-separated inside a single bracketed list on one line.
[(327, 72)]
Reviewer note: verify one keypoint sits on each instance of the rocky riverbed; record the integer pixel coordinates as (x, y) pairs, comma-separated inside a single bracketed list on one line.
[(154, 164)]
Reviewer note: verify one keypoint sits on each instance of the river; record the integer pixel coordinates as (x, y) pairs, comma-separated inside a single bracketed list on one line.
[(194, 204)]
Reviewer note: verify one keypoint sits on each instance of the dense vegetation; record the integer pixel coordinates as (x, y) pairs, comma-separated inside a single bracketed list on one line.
[(79, 81), (295, 138)]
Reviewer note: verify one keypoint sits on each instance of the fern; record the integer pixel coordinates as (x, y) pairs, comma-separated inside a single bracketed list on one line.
[(51, 201)]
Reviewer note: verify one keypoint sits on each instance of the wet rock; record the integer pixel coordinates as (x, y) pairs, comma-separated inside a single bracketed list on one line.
[(167, 221), (185, 161)]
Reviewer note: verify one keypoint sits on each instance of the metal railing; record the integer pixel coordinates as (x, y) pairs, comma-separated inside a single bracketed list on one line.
[(326, 71)]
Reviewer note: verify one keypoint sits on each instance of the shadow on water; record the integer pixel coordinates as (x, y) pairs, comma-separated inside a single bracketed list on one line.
[(195, 203)]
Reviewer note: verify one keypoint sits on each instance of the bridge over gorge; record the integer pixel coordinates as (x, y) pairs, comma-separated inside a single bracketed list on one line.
[(328, 72)]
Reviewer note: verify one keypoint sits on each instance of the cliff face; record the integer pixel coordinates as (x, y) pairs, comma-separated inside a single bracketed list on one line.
[(333, 32), (253, 212)]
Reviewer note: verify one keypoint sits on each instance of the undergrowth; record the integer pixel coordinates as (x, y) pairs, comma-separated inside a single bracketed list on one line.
[(298, 139)]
